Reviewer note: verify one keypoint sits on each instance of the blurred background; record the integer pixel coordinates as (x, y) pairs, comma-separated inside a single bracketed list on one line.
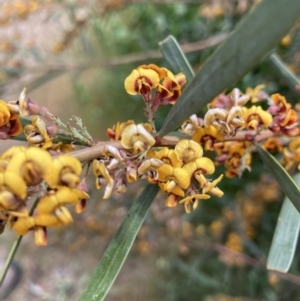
[(73, 57)]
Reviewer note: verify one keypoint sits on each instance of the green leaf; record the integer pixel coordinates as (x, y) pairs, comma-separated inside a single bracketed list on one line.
[(256, 34), (173, 54), (117, 251), (284, 72), (285, 238), (282, 177)]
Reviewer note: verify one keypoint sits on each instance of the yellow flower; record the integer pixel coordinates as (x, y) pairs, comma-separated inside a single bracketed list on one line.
[(19, 106), (116, 132), (112, 157), (190, 125), (150, 167), (207, 136), (273, 144), (12, 190), (210, 187), (65, 171), (173, 196), (55, 201), (137, 138), (280, 106), (103, 177), (170, 88), (193, 200), (188, 150), (31, 164), (254, 93), (141, 81), (36, 133), (256, 117), (199, 167), (4, 113), (171, 200), (235, 119), (38, 224), (13, 150), (7, 155), (173, 177), (217, 118), (62, 148), (14, 125), (131, 172), (166, 155)]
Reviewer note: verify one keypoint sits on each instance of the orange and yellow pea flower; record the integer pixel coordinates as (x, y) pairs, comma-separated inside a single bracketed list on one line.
[(38, 224), (65, 171), (13, 190), (25, 167), (55, 200), (291, 155), (172, 177), (166, 155), (10, 124), (31, 164), (255, 117), (115, 133), (188, 151), (136, 138), (103, 177), (207, 136), (142, 80), (4, 113)]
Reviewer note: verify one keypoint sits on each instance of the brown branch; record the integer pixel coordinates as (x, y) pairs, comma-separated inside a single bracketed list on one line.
[(95, 151)]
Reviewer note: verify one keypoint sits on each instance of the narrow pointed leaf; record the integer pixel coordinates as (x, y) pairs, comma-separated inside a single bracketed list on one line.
[(285, 181), (117, 251), (256, 34), (173, 54), (284, 72), (285, 238)]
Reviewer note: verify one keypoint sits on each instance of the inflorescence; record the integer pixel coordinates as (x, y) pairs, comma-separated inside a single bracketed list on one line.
[(48, 170)]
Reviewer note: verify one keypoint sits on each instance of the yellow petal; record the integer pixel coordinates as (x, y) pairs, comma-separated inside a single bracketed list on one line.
[(139, 78), (4, 113), (13, 183), (65, 171), (32, 165), (149, 164), (202, 165), (168, 156), (23, 225), (136, 137), (188, 150), (64, 215)]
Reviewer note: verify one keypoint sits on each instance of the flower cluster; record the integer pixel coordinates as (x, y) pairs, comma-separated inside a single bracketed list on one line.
[(180, 166), (231, 129), (157, 86), (180, 172), (27, 172)]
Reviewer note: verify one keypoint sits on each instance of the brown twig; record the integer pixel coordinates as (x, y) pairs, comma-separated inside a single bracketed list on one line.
[(95, 151)]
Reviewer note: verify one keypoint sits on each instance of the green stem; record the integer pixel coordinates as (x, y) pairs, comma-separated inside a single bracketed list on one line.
[(10, 258), (14, 248)]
